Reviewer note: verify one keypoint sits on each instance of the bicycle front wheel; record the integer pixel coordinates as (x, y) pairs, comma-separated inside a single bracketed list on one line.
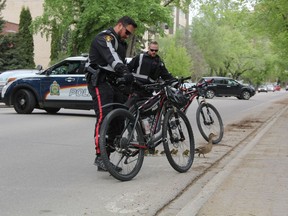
[(121, 144), (178, 139), (209, 121)]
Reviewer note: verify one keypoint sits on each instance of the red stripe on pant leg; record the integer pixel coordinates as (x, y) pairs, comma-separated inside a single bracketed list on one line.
[(99, 121)]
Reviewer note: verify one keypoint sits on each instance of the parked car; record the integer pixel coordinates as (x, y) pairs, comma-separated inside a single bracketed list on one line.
[(224, 86), (262, 88), (63, 85), (277, 87), (270, 87), (14, 74), (187, 85)]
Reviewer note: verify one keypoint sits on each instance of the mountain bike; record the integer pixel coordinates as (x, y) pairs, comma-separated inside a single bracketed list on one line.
[(207, 116), (145, 125)]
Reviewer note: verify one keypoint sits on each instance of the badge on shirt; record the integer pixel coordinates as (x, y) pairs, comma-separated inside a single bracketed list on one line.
[(108, 38)]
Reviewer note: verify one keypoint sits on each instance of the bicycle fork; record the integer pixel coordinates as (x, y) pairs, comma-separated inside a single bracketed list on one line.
[(174, 137), (210, 120), (206, 121)]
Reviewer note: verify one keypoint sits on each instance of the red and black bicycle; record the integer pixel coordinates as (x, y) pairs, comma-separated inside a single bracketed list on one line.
[(207, 116), (144, 126)]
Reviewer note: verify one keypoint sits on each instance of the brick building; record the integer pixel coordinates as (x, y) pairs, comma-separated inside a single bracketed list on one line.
[(10, 27)]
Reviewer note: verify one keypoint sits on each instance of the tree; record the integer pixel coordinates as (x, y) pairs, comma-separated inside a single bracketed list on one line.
[(2, 6), (2, 60), (81, 20), (16, 50), (230, 46), (175, 56), (271, 18), (26, 44), (10, 53)]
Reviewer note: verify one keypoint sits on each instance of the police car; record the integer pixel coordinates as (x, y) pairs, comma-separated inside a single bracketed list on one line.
[(63, 85)]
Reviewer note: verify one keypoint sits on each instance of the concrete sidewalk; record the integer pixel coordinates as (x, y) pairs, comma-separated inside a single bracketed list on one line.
[(253, 183)]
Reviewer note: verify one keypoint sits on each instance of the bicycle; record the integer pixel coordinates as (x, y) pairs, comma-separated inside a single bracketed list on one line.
[(145, 126), (207, 116)]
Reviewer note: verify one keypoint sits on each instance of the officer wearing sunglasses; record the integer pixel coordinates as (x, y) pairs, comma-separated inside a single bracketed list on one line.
[(148, 67), (106, 64)]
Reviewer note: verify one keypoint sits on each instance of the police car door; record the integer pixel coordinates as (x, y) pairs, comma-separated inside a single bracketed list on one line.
[(60, 83), (81, 92)]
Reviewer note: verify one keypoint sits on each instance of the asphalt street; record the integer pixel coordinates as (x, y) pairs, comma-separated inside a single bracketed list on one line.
[(46, 168), (254, 182)]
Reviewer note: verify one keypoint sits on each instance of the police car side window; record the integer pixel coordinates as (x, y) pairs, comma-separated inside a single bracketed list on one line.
[(62, 69), (66, 68), (73, 67)]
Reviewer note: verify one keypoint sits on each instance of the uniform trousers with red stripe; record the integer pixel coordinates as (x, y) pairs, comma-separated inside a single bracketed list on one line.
[(103, 94)]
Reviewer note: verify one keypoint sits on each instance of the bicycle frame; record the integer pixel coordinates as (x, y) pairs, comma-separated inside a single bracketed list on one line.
[(123, 152), (193, 93), (154, 138)]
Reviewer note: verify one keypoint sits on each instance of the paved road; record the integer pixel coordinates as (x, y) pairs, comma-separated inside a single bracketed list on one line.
[(46, 166)]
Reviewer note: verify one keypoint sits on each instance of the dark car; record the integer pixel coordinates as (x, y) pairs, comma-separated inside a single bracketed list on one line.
[(225, 86)]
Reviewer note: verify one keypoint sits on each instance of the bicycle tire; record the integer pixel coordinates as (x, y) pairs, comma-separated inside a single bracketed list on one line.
[(206, 111), (180, 154), (119, 153)]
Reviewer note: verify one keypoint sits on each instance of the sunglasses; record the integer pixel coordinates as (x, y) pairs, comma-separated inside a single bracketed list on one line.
[(153, 50), (127, 32)]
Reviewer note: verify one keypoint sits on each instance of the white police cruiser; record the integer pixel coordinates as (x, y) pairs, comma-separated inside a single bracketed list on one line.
[(61, 86)]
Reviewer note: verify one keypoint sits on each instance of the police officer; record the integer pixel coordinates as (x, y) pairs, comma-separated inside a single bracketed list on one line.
[(148, 68), (107, 63)]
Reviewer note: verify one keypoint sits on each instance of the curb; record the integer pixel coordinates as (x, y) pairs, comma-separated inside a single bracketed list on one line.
[(193, 207)]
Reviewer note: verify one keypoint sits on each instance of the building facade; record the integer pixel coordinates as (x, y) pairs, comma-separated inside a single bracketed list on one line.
[(11, 14), (10, 27)]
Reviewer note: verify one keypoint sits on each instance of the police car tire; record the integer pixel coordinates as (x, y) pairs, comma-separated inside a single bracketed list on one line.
[(24, 101), (52, 110)]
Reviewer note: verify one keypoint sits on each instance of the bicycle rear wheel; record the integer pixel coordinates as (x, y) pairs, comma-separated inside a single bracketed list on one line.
[(178, 139), (122, 153), (209, 121)]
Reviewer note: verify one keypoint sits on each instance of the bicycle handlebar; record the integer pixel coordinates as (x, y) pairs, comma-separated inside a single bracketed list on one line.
[(182, 79), (201, 85)]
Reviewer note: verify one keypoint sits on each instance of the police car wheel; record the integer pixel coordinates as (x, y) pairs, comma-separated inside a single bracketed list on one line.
[(52, 110), (24, 101)]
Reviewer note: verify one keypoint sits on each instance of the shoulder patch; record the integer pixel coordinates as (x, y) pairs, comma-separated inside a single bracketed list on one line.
[(108, 38)]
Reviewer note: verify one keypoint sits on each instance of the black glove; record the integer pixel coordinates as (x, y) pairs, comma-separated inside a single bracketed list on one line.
[(128, 77)]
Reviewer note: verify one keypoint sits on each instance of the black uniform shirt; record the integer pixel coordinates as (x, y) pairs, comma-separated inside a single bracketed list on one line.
[(148, 69), (108, 51)]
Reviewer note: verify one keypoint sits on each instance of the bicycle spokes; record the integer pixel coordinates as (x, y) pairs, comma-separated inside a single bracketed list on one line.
[(207, 117)]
